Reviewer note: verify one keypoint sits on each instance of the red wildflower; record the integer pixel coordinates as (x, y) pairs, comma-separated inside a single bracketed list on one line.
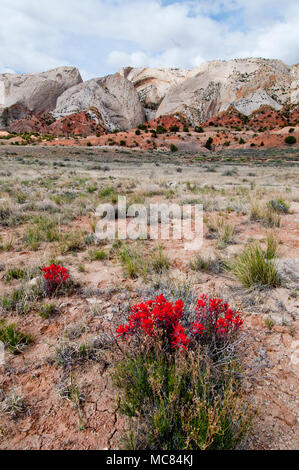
[(54, 276), (180, 338)]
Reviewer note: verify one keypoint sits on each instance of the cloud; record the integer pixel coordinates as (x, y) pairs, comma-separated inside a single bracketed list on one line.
[(99, 36)]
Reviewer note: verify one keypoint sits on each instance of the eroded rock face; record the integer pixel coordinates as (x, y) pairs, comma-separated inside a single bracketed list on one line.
[(247, 84), (153, 84), (26, 94), (112, 99)]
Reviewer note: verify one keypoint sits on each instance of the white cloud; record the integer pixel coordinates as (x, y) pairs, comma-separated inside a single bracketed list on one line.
[(99, 36)]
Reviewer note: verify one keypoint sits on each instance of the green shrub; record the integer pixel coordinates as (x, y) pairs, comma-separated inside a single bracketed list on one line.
[(290, 140), (181, 404), (173, 148), (208, 144), (161, 130)]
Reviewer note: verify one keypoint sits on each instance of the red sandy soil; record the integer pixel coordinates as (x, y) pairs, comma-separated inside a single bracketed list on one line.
[(264, 128)]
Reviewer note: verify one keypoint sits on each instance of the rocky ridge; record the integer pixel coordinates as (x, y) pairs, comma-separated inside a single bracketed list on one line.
[(122, 101)]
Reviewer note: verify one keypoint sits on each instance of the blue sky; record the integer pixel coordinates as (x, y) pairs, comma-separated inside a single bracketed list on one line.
[(100, 36)]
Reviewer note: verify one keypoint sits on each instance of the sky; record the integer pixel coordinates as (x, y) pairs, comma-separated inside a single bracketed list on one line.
[(100, 36)]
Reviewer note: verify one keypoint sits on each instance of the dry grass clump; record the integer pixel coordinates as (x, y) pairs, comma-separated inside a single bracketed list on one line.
[(264, 214), (13, 405)]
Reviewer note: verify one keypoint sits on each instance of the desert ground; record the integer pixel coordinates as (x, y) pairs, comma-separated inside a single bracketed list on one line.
[(53, 396)]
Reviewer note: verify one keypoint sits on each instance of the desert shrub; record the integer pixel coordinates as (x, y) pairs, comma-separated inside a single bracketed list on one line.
[(169, 377), (208, 144), (279, 205), (198, 129), (174, 129), (161, 129), (255, 267), (13, 338), (290, 140), (173, 148)]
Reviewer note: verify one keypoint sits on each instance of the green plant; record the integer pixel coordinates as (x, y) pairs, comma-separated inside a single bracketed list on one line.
[(208, 265), (47, 310), (269, 323), (279, 205), (173, 148), (253, 268), (14, 273), (265, 214), (13, 338), (97, 255), (182, 404), (159, 261), (290, 140), (208, 144), (133, 262)]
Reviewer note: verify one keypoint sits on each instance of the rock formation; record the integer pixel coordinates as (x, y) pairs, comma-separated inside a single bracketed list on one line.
[(247, 84), (153, 84), (113, 100), (26, 94), (135, 95)]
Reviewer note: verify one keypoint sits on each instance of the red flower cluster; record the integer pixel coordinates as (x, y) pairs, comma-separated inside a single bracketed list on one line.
[(153, 314), (54, 276), (214, 318), (216, 315)]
